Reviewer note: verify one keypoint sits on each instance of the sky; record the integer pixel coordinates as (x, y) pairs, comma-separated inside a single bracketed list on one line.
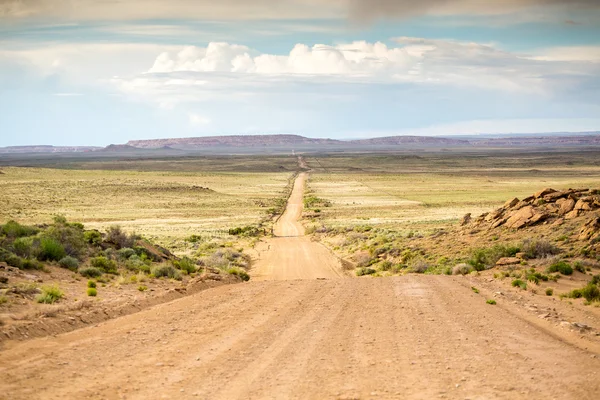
[(96, 72)]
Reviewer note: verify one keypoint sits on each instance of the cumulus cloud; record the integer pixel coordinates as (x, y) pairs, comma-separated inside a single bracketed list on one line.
[(410, 60), (260, 9)]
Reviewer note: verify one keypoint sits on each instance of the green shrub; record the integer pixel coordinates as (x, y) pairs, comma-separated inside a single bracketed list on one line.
[(135, 264), (50, 250), (364, 271), (549, 292), (92, 292), (591, 292), (538, 248), (142, 288), (23, 246), (491, 301), (186, 264), (560, 266), (519, 283), (92, 237), (13, 229), (474, 289), (70, 237), (50, 295), (239, 273), (29, 263), (91, 284), (90, 272), (167, 271), (69, 262), (104, 264), (485, 258), (578, 266), (248, 231), (595, 280), (11, 259), (125, 253)]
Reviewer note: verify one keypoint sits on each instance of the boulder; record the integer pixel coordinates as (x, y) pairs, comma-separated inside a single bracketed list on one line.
[(572, 214), (566, 206), (481, 218), (511, 203), (590, 230), (465, 220), (521, 204), (539, 217), (583, 205), (520, 218), (508, 261), (498, 222), (558, 222), (494, 215), (544, 192), (552, 197)]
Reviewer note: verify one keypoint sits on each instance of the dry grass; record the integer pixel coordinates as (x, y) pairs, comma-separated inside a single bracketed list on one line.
[(163, 206)]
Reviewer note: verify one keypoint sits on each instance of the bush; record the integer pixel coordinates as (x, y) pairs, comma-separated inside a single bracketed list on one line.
[(591, 292), (32, 264), (538, 248), (239, 273), (116, 236), (491, 301), (23, 246), (70, 237), (578, 265), (142, 288), (92, 237), (549, 292), (104, 264), (560, 266), (92, 292), (365, 271), (13, 229), (519, 283), (69, 262), (462, 269), (51, 250), (167, 271), (249, 231), (136, 264), (186, 264), (90, 272), (11, 259), (485, 258), (125, 253), (419, 266), (50, 295)]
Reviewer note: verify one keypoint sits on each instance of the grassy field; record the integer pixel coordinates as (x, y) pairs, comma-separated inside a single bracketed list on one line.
[(429, 191), (165, 203)]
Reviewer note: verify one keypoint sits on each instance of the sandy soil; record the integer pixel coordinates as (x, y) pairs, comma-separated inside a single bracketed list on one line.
[(417, 337), (290, 254)]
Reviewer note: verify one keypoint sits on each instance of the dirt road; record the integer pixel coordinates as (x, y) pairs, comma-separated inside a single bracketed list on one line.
[(290, 254), (418, 337), (415, 337)]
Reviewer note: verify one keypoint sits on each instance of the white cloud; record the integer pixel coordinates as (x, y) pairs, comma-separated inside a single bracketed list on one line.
[(197, 120), (412, 60)]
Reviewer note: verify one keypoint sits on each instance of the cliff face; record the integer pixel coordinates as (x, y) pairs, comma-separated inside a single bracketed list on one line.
[(232, 141)]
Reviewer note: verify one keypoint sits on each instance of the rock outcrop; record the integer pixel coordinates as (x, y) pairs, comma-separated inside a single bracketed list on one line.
[(547, 205)]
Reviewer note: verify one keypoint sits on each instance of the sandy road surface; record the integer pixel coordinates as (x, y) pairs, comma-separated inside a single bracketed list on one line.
[(418, 337), (290, 254)]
